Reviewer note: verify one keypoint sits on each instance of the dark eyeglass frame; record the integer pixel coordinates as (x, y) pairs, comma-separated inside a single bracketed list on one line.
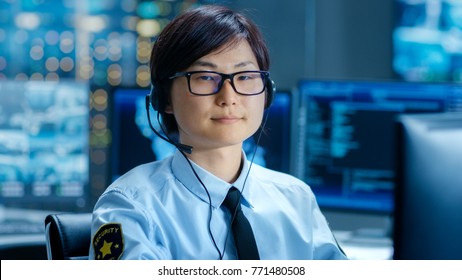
[(264, 74)]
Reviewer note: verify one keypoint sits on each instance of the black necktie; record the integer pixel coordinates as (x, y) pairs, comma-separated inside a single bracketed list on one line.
[(242, 231)]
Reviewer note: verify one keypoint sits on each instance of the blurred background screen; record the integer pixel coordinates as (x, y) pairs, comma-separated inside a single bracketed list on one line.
[(44, 145)]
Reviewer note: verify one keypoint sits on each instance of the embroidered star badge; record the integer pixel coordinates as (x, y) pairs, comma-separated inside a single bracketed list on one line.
[(108, 242)]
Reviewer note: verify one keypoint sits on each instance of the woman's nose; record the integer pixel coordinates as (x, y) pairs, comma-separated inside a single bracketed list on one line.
[(227, 95)]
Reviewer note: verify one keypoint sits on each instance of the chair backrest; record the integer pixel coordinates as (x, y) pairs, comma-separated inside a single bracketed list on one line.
[(68, 236)]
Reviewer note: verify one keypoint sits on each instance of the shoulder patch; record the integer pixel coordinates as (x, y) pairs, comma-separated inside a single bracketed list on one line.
[(108, 243)]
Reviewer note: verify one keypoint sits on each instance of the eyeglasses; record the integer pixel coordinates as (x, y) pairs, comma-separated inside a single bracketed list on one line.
[(210, 82)]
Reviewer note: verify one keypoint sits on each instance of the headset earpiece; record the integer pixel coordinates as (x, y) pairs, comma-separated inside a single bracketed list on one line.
[(270, 91)]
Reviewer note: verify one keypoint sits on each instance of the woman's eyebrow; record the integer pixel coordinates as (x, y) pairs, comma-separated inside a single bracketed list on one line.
[(204, 63), (243, 64), (211, 65)]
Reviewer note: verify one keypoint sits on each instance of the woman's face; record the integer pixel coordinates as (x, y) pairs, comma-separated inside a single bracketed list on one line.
[(223, 119)]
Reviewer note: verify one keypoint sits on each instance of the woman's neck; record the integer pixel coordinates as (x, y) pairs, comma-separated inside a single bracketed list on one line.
[(225, 163)]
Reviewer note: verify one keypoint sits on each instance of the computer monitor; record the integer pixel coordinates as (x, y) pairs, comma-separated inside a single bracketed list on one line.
[(428, 215), (134, 143), (346, 142), (44, 145)]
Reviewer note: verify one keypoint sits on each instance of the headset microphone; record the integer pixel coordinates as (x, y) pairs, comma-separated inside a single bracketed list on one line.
[(181, 147)]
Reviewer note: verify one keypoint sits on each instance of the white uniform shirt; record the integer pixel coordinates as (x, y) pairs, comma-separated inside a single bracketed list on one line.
[(160, 210)]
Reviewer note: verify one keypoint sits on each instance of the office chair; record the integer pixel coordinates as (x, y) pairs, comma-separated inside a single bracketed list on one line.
[(68, 236)]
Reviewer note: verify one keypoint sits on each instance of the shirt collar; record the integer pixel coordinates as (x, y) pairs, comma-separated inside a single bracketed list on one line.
[(216, 187)]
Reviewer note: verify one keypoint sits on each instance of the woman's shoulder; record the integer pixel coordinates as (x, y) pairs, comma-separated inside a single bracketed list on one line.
[(279, 183), (147, 177), (276, 177)]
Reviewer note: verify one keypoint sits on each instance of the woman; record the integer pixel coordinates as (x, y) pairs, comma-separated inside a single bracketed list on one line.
[(211, 86)]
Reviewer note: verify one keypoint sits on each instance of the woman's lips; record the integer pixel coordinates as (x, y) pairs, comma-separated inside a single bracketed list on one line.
[(227, 119)]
